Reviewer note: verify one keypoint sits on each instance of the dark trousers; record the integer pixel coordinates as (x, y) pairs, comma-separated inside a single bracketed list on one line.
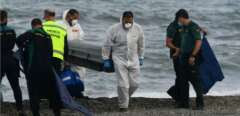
[(57, 65), (190, 73), (174, 91), (42, 85), (10, 68)]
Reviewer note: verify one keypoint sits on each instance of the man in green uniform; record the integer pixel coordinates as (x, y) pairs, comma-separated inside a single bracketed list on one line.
[(9, 64), (189, 60), (37, 56), (173, 41)]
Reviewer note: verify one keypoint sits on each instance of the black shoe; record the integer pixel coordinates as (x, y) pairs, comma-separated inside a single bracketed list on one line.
[(199, 103), (172, 92), (199, 108), (123, 109), (57, 112), (85, 97), (21, 113), (182, 105)]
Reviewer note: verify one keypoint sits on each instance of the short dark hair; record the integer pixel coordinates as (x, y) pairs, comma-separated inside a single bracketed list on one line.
[(73, 11), (49, 12), (127, 14), (3, 15), (182, 13), (36, 21)]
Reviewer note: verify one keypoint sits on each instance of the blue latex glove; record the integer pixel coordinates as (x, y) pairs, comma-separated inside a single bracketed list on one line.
[(141, 61), (107, 64)]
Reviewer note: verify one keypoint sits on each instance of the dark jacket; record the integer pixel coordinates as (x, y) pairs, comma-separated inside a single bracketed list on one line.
[(8, 61), (8, 40), (37, 57), (37, 47)]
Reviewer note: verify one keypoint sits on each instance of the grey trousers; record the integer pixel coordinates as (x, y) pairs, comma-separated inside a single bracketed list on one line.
[(127, 83)]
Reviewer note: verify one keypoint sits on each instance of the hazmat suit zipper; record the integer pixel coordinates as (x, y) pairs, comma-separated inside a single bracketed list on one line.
[(128, 62)]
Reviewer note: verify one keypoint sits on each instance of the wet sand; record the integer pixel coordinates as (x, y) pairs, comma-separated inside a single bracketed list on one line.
[(215, 106)]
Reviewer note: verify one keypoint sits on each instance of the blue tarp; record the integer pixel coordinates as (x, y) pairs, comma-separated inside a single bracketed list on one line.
[(210, 69), (66, 98)]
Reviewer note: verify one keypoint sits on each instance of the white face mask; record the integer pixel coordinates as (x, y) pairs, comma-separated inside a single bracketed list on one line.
[(74, 22), (128, 25)]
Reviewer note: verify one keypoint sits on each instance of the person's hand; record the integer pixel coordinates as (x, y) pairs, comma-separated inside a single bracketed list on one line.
[(191, 60), (140, 61), (204, 31), (66, 64), (176, 53)]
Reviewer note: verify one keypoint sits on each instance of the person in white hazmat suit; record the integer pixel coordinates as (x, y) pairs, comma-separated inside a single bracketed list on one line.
[(74, 32), (74, 29), (125, 45)]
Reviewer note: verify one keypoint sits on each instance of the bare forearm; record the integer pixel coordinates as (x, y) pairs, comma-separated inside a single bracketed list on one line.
[(169, 44), (197, 47)]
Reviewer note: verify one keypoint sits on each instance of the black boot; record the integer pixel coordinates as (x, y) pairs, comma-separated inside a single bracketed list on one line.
[(199, 103), (184, 105), (123, 109), (172, 92), (21, 113), (57, 112), (36, 114)]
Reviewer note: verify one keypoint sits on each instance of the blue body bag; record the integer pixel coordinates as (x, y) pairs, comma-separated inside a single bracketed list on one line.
[(66, 98), (71, 80), (210, 70)]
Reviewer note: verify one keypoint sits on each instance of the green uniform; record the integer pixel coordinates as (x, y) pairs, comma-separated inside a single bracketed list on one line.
[(189, 35), (173, 32), (9, 64), (37, 54)]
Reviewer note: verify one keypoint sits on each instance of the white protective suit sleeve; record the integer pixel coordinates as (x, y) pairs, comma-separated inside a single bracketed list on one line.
[(141, 44), (81, 32), (106, 50)]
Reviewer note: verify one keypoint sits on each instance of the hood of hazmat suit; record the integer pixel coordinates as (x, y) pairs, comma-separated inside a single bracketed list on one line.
[(74, 32)]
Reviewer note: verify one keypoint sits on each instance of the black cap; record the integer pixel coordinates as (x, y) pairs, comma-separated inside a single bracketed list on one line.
[(3, 14), (182, 13), (128, 14), (36, 21)]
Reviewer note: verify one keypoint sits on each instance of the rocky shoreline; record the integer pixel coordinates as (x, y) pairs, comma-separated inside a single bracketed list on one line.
[(215, 106)]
